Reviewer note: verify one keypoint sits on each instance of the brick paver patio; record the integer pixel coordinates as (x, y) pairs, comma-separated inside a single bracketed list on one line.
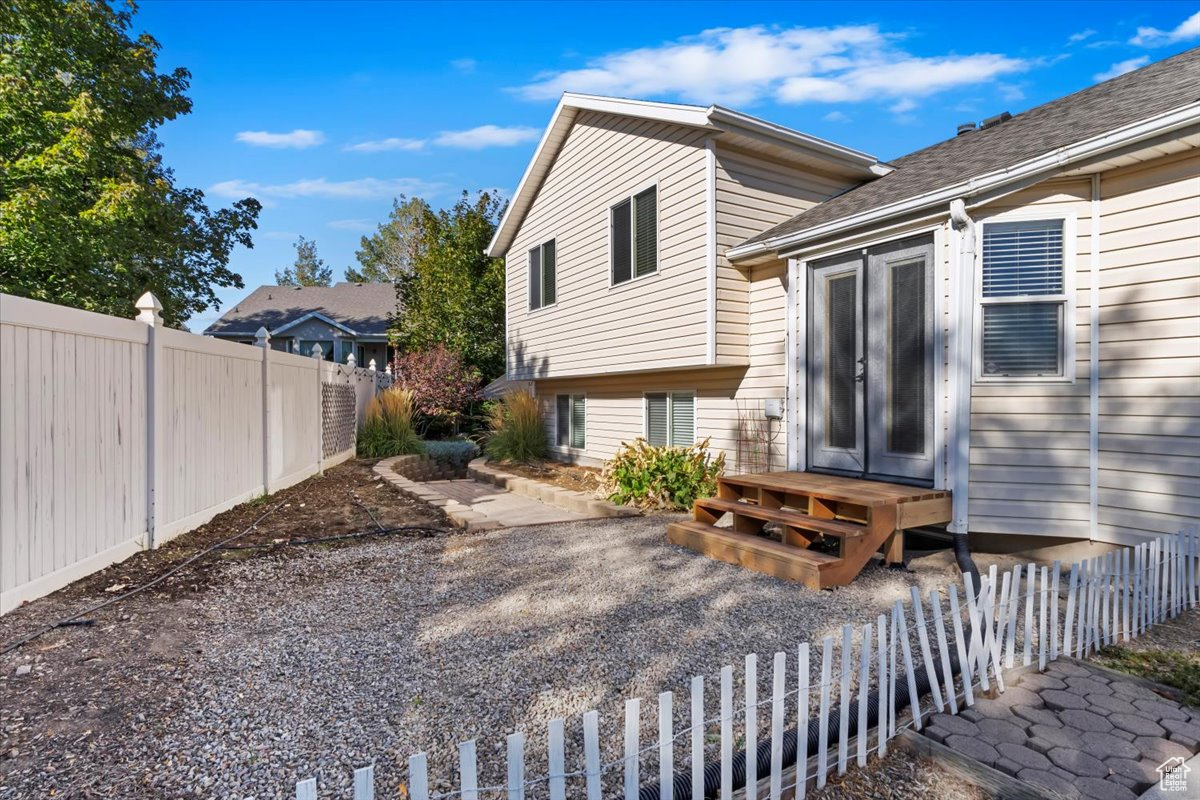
[(1075, 730)]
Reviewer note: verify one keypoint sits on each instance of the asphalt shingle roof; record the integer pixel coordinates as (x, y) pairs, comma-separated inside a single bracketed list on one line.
[(363, 307), (1155, 89)]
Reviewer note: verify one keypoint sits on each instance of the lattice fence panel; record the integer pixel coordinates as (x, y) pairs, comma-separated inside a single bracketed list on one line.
[(337, 417)]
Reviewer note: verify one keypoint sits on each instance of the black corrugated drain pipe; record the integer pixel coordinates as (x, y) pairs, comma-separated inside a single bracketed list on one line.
[(682, 780)]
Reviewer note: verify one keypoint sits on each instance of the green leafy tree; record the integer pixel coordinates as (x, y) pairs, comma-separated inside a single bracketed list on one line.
[(454, 294), (309, 270), (89, 214), (389, 253)]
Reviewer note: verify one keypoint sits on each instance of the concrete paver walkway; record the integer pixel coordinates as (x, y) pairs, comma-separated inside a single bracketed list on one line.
[(1075, 730), (501, 506)]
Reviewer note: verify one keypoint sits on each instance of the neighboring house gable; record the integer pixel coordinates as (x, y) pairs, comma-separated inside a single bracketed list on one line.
[(342, 319)]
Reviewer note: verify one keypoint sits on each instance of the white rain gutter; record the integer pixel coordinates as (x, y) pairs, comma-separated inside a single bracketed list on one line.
[(1053, 160), (962, 271)]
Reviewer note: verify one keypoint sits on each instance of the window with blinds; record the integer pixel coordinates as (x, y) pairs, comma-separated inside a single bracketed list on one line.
[(570, 424), (634, 236), (1023, 300), (542, 283), (671, 419)]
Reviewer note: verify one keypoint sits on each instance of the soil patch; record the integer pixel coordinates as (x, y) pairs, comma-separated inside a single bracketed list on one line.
[(566, 476), (346, 499)]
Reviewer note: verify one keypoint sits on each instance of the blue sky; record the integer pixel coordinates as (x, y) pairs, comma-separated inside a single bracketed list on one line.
[(325, 111)]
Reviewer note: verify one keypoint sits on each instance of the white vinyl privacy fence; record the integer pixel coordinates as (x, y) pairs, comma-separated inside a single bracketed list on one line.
[(830, 706), (117, 434)]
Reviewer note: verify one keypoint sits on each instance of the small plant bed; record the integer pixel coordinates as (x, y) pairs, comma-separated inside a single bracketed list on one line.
[(321, 506), (1168, 654), (556, 473)]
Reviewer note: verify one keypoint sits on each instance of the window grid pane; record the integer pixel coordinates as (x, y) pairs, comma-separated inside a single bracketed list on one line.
[(656, 419), (683, 420), (578, 421), (548, 282), (562, 419), (622, 247), (1022, 340), (646, 225), (1022, 258), (535, 278)]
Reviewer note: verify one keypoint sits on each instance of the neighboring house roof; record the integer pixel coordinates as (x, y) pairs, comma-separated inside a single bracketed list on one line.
[(1105, 116), (360, 309), (726, 124)]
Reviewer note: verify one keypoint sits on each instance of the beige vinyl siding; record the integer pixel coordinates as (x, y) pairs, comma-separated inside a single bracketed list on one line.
[(1149, 424), (1029, 440), (654, 322), (615, 410), (753, 194)]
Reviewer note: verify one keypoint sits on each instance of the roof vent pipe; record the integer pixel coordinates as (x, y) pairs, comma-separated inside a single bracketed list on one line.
[(966, 127)]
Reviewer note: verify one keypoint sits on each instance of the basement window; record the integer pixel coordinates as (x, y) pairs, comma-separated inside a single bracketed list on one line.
[(671, 419), (571, 421)]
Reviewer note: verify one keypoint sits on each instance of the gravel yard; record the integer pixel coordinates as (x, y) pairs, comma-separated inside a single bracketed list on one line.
[(312, 661)]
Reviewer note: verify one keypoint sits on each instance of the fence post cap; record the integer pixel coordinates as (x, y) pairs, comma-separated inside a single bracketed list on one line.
[(262, 336), (371, 365), (317, 352), (351, 361), (150, 309)]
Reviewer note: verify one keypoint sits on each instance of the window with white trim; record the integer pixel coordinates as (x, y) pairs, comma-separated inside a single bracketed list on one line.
[(571, 421), (633, 227), (1023, 300), (542, 284), (671, 419)]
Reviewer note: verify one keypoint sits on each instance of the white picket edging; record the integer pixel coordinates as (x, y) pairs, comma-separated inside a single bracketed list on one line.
[(1108, 599)]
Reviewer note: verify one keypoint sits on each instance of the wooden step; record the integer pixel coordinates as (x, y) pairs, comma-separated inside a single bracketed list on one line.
[(829, 487), (784, 516), (753, 552)]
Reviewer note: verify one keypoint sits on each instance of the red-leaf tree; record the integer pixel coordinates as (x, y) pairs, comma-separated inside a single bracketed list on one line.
[(443, 386)]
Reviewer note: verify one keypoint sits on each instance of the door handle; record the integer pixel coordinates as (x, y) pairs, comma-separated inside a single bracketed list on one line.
[(862, 370)]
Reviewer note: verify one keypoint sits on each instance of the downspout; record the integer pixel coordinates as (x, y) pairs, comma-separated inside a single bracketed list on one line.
[(963, 270)]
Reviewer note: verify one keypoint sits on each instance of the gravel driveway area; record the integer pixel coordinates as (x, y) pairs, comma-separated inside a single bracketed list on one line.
[(316, 662)]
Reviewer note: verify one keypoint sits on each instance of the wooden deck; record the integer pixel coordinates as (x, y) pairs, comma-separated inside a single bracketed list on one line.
[(861, 517)]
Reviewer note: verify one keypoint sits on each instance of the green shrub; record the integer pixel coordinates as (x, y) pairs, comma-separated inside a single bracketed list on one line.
[(453, 453), (652, 477), (517, 433), (387, 427)]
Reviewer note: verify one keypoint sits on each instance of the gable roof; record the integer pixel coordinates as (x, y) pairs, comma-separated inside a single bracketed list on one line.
[(360, 308), (725, 124), (1107, 115)]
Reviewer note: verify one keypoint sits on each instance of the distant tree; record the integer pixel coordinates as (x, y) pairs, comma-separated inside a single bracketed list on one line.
[(308, 270), (391, 251), (89, 214), (454, 294)]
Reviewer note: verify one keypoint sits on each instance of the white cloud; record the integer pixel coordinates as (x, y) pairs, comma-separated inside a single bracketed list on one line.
[(298, 139), (384, 145), (487, 136), (473, 139), (1011, 92), (352, 224), (363, 188), (1153, 37), (836, 116), (744, 65), (464, 65), (1121, 67), (903, 106), (1075, 38)]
